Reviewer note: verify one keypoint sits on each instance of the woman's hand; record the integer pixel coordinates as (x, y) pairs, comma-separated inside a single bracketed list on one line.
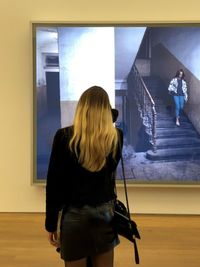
[(53, 239)]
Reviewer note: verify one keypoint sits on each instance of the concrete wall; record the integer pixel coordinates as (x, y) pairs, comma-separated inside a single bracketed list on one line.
[(183, 43), (16, 94), (80, 49), (127, 43)]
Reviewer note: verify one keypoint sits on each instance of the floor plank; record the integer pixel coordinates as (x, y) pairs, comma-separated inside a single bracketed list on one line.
[(167, 241)]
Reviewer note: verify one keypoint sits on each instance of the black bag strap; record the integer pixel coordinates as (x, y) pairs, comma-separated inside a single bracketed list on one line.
[(124, 181), (123, 176), (137, 259)]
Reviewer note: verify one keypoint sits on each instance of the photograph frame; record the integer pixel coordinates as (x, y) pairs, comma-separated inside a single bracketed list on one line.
[(138, 183)]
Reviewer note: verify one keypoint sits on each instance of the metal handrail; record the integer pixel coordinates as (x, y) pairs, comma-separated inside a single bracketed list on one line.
[(146, 90), (146, 106)]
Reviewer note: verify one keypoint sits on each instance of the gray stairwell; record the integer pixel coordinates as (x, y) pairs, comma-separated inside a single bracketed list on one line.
[(172, 142)]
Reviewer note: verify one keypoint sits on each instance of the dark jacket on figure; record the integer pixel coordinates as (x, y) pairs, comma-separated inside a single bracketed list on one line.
[(69, 184)]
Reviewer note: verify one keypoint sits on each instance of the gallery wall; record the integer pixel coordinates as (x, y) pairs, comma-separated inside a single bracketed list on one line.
[(16, 109)]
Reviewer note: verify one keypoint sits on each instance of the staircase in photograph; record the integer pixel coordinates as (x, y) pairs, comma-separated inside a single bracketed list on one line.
[(172, 142)]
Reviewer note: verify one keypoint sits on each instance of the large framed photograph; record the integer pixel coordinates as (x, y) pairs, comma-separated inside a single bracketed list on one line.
[(152, 75)]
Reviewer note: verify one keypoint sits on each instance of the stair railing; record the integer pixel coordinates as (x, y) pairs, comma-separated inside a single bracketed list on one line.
[(145, 103)]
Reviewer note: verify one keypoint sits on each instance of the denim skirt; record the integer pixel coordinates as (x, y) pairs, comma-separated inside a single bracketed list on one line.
[(87, 231)]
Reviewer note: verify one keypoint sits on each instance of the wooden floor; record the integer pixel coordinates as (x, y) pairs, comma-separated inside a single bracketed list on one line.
[(167, 241)]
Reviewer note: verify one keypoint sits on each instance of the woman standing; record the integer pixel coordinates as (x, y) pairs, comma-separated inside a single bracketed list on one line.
[(80, 179), (178, 89)]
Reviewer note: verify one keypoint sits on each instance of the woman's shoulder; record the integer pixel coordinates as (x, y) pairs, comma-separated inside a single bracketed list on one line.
[(119, 131), (64, 132)]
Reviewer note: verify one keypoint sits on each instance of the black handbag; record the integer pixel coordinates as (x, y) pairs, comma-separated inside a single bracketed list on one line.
[(123, 225), (122, 222)]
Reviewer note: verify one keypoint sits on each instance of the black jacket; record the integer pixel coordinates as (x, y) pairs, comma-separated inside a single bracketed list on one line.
[(70, 184)]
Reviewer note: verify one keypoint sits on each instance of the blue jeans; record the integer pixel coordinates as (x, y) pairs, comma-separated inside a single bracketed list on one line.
[(179, 103)]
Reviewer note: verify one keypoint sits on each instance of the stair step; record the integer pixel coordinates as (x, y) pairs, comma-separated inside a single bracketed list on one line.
[(163, 111), (172, 142), (171, 133), (163, 117), (175, 153), (162, 108), (171, 124), (160, 102), (178, 142)]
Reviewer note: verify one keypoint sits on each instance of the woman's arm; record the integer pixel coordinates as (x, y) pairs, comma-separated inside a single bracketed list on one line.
[(185, 91), (53, 186), (172, 86)]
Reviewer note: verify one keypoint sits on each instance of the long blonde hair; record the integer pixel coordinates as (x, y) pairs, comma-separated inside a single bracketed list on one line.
[(94, 136)]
